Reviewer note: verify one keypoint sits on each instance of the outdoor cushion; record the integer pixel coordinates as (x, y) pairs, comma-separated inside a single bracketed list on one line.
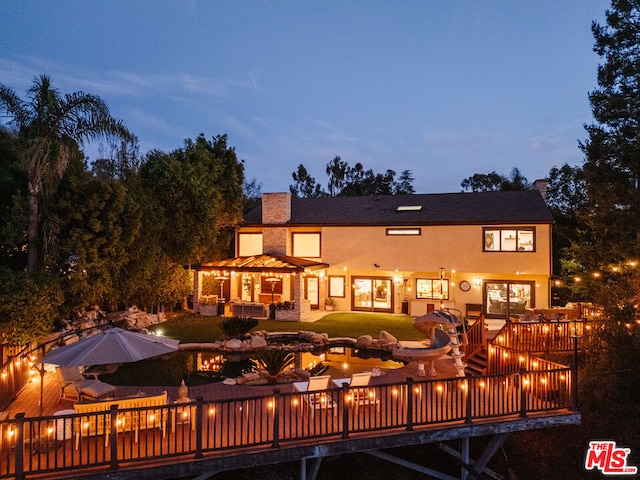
[(97, 389)]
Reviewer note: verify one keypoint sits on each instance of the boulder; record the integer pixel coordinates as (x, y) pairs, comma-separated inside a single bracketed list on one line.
[(364, 341), (233, 344), (258, 342), (386, 337)]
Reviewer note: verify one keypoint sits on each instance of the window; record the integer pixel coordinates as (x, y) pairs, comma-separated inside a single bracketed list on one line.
[(249, 244), (508, 239), (432, 288), (306, 245), (336, 286), (404, 231)]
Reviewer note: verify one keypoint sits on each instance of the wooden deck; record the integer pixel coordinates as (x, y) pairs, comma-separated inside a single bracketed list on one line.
[(28, 401), (231, 424)]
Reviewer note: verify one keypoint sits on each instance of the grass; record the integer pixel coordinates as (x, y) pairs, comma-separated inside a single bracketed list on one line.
[(190, 328)]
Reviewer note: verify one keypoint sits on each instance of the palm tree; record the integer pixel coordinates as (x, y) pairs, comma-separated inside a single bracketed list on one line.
[(51, 128)]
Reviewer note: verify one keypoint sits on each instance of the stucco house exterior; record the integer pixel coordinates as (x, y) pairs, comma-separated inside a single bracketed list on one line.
[(484, 252)]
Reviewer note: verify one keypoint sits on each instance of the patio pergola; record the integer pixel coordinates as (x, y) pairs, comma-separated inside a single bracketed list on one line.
[(247, 276)]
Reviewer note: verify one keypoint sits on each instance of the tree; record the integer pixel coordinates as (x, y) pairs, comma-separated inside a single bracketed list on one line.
[(345, 180), (50, 128), (404, 185), (305, 186), (99, 223), (28, 306), (610, 236), (493, 182), (336, 171), (195, 198)]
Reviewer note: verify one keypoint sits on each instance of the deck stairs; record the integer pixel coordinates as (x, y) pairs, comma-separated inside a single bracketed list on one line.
[(477, 362)]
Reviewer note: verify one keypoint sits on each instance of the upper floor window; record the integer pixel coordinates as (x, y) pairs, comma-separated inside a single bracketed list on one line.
[(509, 239), (306, 245), (249, 244), (404, 231)]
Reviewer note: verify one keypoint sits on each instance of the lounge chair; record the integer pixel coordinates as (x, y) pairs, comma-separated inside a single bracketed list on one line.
[(319, 400), (74, 386), (359, 391)]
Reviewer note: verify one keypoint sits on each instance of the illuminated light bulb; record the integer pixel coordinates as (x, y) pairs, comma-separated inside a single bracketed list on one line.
[(482, 385), (416, 390), (439, 388), (212, 411)]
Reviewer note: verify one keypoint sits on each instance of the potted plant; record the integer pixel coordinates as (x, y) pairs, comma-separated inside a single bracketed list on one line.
[(329, 303)]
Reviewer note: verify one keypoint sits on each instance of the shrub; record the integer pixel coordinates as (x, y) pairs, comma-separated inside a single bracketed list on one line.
[(273, 360), (234, 327)]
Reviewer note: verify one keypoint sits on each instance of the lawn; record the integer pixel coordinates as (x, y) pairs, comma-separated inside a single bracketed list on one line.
[(190, 328)]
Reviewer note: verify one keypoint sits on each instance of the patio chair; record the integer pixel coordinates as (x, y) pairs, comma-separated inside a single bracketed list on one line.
[(319, 400), (74, 386), (360, 394)]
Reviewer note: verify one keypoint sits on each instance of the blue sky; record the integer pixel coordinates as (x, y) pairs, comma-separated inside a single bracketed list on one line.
[(443, 88)]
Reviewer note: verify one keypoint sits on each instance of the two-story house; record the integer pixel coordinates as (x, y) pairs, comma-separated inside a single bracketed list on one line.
[(477, 252)]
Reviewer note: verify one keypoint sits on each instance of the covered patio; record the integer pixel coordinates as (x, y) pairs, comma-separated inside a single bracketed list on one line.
[(268, 285)]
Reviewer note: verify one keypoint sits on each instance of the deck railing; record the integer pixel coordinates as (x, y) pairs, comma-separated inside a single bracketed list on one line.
[(14, 375), (545, 336), (59, 443)]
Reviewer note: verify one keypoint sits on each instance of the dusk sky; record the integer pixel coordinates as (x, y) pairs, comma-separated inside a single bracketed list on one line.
[(443, 88)]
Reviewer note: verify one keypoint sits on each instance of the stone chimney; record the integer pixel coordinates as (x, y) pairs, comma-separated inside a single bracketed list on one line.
[(276, 207), (541, 185), (276, 210)]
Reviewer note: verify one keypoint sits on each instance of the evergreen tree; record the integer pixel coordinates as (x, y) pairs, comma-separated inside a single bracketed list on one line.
[(610, 238)]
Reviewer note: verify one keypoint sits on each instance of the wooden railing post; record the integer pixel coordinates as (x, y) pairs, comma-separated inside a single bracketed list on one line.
[(276, 419), (574, 386), (467, 383), (19, 436), (409, 404), (523, 393), (199, 417), (113, 436), (345, 411)]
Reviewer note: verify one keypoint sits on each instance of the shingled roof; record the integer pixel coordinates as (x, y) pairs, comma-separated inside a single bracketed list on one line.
[(523, 206)]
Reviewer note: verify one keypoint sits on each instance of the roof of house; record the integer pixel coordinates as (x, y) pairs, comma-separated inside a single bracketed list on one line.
[(261, 263), (522, 206)]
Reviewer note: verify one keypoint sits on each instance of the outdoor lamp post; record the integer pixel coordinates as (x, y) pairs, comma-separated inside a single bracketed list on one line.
[(272, 307)]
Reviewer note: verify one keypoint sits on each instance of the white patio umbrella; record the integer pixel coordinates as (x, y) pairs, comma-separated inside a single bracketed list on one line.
[(114, 345)]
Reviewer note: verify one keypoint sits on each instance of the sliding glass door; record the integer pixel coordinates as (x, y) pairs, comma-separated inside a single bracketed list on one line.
[(505, 298), (372, 294)]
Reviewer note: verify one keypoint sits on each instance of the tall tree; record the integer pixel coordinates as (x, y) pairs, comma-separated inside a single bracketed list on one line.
[(50, 128), (197, 198), (336, 171), (305, 185), (612, 151)]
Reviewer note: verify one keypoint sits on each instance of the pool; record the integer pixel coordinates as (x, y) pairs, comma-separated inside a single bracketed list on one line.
[(201, 366)]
